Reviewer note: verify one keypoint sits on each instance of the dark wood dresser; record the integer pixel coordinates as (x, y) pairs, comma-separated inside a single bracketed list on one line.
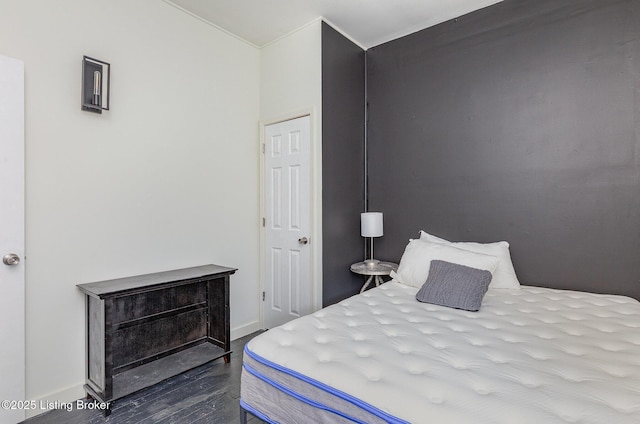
[(144, 329)]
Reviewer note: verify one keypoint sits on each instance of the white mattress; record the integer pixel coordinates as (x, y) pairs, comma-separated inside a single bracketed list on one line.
[(533, 355)]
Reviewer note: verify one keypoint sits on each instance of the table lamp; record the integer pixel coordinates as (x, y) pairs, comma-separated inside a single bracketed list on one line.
[(371, 226)]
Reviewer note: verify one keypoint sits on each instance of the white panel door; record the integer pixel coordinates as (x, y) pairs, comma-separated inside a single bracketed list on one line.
[(12, 339), (287, 201)]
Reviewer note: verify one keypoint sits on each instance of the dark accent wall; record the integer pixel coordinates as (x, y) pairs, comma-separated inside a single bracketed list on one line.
[(342, 163), (518, 122)]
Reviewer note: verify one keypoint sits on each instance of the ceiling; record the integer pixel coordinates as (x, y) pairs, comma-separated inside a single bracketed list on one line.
[(367, 22)]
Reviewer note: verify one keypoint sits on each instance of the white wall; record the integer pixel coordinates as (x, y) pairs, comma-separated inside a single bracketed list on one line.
[(291, 85), (291, 74), (167, 179)]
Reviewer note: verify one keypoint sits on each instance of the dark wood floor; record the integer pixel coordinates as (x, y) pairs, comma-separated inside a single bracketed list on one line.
[(207, 394)]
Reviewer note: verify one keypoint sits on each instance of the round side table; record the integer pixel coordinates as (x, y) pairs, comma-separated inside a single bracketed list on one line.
[(375, 272)]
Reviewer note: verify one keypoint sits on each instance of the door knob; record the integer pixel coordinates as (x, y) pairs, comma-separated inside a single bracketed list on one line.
[(11, 259), (303, 240)]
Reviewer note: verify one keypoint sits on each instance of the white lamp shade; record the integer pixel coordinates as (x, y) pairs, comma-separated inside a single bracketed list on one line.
[(371, 224)]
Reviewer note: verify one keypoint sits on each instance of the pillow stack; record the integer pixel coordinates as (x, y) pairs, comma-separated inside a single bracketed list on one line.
[(504, 276), (456, 275)]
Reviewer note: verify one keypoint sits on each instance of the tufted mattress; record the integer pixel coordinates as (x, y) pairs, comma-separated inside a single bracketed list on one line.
[(533, 355)]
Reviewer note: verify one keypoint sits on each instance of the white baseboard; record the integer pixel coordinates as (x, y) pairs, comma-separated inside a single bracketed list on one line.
[(57, 400), (246, 329)]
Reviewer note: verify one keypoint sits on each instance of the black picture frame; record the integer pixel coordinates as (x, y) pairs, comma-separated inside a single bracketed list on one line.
[(96, 85)]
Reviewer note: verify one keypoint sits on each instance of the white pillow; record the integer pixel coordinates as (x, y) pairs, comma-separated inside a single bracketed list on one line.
[(415, 263), (504, 277)]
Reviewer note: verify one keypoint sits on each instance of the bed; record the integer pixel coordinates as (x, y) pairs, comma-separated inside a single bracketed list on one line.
[(528, 355)]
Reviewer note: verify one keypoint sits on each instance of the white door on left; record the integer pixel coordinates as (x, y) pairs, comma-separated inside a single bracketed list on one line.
[(287, 192), (12, 296)]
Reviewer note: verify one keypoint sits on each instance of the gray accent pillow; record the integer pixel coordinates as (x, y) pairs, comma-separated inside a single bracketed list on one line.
[(455, 286)]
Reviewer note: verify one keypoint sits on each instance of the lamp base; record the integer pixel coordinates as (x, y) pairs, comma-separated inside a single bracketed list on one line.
[(371, 263)]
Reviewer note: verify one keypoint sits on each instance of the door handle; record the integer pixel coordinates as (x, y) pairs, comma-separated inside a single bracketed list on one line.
[(11, 259), (303, 240)]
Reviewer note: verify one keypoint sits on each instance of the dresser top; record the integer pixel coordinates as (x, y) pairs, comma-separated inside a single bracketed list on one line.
[(109, 287)]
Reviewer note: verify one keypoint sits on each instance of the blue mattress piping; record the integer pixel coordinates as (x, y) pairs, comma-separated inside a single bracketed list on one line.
[(255, 412), (349, 398), (296, 395)]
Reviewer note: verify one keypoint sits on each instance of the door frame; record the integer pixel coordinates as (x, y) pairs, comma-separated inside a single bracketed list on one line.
[(315, 235)]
